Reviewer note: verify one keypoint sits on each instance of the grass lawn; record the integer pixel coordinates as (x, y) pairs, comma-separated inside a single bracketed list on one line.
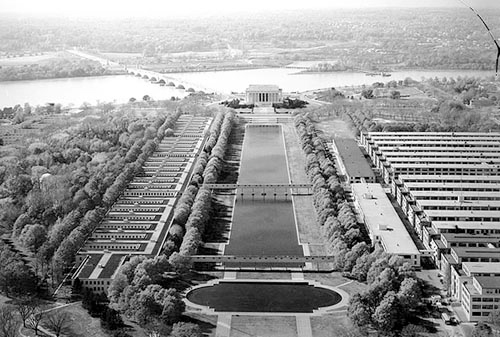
[(207, 323), (309, 231), (82, 324), (22, 60), (269, 326), (331, 325), (335, 128)]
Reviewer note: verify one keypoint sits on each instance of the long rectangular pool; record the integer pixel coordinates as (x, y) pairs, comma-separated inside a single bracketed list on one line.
[(263, 225)]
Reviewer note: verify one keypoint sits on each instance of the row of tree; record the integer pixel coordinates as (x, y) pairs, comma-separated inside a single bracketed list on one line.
[(185, 203), (57, 190), (386, 308), (200, 210)]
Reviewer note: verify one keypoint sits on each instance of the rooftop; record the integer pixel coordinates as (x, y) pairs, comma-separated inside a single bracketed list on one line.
[(488, 282), (476, 252), (476, 225), (445, 177), (379, 214), (463, 237), (263, 87), (353, 159), (432, 134), (481, 267)]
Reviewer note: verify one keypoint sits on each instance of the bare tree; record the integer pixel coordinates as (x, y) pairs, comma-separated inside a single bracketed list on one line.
[(33, 322), (58, 322), (8, 323), (25, 309)]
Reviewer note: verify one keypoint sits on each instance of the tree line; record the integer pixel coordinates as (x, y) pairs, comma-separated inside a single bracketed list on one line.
[(56, 68), (392, 297), (192, 211), (56, 191)]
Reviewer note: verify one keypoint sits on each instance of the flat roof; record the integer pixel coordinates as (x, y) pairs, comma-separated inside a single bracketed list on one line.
[(482, 267), (478, 225), (378, 210), (445, 166), (352, 158), (476, 251), (488, 282), (471, 203), (431, 134), (439, 177), (483, 194), (431, 149), (452, 184), (462, 213), (263, 87), (463, 237), (439, 154)]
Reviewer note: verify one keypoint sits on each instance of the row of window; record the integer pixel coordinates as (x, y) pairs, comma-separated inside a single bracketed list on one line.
[(468, 244), (486, 299), (96, 282), (120, 236), (442, 143), (468, 218), (149, 194), (467, 171), (135, 217), (462, 208), (491, 180), (113, 247), (478, 259)]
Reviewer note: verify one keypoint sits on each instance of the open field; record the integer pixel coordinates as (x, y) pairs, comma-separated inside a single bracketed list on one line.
[(22, 60)]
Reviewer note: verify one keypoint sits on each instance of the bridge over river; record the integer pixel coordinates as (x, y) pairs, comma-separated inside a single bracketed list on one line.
[(160, 78)]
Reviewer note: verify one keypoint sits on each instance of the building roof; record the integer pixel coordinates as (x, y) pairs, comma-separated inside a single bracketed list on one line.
[(445, 177), (462, 213), (476, 225), (463, 203), (481, 267), (463, 237), (487, 195), (488, 282), (478, 186), (263, 87), (352, 158), (476, 252), (378, 212), (432, 134)]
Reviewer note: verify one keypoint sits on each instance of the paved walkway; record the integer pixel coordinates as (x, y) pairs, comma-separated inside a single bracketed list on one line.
[(264, 110), (223, 325), (303, 326)]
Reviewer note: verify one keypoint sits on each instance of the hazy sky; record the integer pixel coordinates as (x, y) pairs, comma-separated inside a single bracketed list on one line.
[(118, 8)]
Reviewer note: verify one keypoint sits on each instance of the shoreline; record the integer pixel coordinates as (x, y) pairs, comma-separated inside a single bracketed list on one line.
[(62, 78), (303, 72)]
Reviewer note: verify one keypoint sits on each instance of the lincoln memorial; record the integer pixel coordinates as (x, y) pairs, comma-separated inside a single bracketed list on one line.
[(263, 94)]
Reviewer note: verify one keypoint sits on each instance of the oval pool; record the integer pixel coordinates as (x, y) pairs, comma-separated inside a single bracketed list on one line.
[(286, 297)]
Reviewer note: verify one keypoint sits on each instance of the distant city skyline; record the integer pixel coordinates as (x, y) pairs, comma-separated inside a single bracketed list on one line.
[(158, 8)]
